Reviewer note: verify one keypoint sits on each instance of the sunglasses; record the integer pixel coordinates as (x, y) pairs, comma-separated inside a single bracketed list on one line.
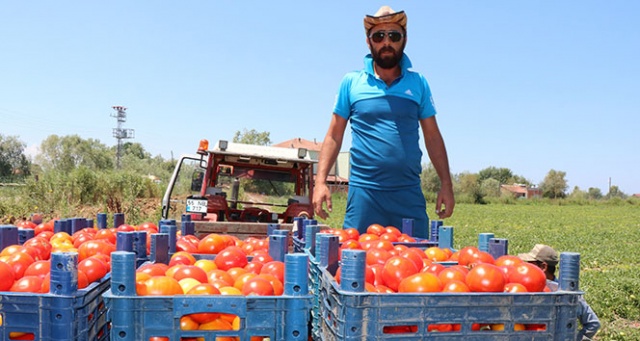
[(378, 36)]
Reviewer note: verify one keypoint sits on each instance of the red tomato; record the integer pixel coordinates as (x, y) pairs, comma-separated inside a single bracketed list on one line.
[(514, 287), (414, 255), (451, 274), (125, 228), (275, 268), (220, 275), (7, 276), (405, 238), (440, 327), (191, 271), (231, 257), (375, 229), (83, 281), (396, 269), (19, 262), (466, 255), (485, 277), (182, 257), (212, 244), (254, 267), (204, 289), (393, 230), (376, 255), (455, 285), (436, 254), (434, 268), (529, 275), (92, 247), (257, 286), (148, 226), (27, 284), (94, 268), (390, 237), (508, 260), (420, 282), (377, 274), (106, 234), (38, 268), (42, 228), (352, 233), (40, 244), (278, 287), (162, 285), (183, 244), (153, 269), (261, 256)]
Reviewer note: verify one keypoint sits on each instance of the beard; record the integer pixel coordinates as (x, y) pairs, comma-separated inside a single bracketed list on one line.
[(387, 62)]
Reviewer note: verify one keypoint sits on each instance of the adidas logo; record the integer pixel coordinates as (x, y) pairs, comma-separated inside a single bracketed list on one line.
[(408, 92)]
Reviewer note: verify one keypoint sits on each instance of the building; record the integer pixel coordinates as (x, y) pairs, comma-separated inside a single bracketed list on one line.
[(521, 191), (338, 178)]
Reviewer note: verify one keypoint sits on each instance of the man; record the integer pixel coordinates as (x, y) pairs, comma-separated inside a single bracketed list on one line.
[(546, 258), (385, 104)]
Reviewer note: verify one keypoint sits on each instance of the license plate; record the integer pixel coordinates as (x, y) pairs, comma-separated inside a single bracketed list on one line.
[(196, 205)]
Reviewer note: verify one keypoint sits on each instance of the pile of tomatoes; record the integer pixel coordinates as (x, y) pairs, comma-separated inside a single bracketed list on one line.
[(396, 267), (239, 268)]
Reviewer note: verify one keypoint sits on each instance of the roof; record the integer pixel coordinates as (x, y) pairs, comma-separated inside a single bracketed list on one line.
[(515, 188), (299, 142)]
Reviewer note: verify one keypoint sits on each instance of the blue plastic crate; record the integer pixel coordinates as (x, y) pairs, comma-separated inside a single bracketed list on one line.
[(350, 313), (136, 318), (63, 314)]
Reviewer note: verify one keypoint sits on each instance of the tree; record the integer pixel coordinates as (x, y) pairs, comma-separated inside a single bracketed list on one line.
[(490, 187), (554, 185), (429, 180), (469, 185), (615, 192), (252, 137), (68, 152), (594, 193), (503, 175), (13, 162)]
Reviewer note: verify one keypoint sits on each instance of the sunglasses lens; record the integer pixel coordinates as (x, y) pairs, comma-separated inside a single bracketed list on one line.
[(395, 36), (377, 37)]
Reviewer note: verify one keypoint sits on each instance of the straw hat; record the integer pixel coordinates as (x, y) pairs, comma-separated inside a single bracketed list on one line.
[(385, 15)]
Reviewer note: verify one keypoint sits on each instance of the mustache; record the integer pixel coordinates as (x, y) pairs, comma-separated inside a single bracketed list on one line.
[(387, 49)]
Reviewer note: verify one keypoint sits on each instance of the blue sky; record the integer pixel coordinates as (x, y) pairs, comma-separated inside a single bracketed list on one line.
[(527, 85)]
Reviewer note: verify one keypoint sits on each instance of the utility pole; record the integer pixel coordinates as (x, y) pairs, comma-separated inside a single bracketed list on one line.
[(121, 133)]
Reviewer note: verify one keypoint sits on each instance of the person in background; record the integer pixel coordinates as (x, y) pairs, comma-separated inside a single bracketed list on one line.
[(546, 258), (387, 105)]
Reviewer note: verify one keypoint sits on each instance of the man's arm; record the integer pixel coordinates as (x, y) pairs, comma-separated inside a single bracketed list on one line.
[(328, 155), (589, 321), (438, 154)]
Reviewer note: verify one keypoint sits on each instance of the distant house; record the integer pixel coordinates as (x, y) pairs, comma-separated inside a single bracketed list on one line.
[(338, 178), (637, 195), (521, 191)]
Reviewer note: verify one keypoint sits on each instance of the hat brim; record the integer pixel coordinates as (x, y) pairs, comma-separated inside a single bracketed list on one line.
[(527, 257), (399, 18)]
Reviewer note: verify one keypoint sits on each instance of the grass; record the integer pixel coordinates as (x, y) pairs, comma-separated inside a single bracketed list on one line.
[(606, 236)]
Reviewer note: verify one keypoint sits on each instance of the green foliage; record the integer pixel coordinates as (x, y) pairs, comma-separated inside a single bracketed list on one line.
[(252, 137), (554, 184), (429, 179), (13, 162), (68, 152)]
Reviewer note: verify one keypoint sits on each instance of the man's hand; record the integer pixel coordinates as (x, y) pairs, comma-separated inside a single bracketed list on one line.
[(446, 199), (321, 194)]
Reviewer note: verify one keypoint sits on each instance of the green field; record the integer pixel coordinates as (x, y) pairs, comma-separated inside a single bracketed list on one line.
[(606, 236)]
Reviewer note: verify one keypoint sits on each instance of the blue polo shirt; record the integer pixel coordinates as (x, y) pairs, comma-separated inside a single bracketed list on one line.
[(385, 150)]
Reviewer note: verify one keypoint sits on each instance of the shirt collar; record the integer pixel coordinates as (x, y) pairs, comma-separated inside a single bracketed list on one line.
[(405, 64)]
